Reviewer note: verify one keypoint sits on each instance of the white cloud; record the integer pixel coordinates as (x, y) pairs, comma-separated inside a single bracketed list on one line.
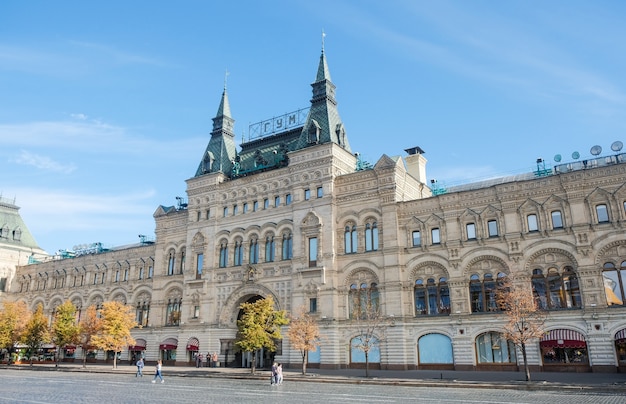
[(43, 162)]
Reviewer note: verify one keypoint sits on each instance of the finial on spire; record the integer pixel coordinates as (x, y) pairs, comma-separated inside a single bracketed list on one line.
[(226, 78), (323, 36)]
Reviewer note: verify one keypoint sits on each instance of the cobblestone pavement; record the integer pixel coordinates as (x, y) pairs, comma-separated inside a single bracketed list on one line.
[(34, 386)]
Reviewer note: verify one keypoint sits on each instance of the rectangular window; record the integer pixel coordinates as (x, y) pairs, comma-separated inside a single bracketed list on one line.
[(199, 263), (266, 203), (557, 221), (320, 192), (434, 234), (603, 213), (471, 231), (532, 223), (307, 196), (198, 216), (150, 271), (277, 201), (492, 226), (235, 210), (288, 199), (313, 305), (196, 311), (255, 206), (417, 239), (125, 274), (226, 212), (141, 273), (313, 252), (245, 207)]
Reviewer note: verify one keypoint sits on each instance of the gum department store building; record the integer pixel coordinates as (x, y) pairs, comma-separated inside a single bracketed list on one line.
[(295, 214)]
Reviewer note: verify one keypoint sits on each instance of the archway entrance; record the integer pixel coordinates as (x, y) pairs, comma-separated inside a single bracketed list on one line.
[(264, 358)]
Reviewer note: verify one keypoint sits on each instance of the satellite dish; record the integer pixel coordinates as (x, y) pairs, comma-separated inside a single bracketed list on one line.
[(575, 155), (595, 150), (557, 158), (617, 146)]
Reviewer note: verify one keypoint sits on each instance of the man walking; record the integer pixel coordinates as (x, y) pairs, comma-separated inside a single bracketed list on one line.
[(139, 367)]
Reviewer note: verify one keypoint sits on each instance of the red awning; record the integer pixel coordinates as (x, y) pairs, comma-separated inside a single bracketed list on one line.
[(193, 344), (136, 348), (167, 347), (562, 338)]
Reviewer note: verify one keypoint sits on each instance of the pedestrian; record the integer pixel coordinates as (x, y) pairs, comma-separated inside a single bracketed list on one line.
[(214, 359), (274, 376), (139, 367), (200, 360), (157, 372), (279, 373), (208, 359)]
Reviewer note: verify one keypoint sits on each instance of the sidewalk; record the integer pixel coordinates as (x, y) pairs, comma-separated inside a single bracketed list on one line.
[(614, 382)]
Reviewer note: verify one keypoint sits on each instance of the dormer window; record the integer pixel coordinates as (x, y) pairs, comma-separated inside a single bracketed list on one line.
[(314, 132)]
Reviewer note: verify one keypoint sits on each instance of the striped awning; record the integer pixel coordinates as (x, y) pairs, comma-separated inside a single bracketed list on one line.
[(193, 344), (621, 334), (140, 345), (169, 344), (562, 338)]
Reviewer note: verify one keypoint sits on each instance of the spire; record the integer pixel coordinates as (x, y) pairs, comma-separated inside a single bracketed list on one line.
[(221, 150), (323, 124)]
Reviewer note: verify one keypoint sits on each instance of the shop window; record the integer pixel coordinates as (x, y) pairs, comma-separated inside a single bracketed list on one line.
[(565, 347), (435, 349), (493, 347)]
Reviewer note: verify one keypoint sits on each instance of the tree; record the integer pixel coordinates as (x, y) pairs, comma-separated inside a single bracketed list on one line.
[(368, 322), (117, 321), (13, 319), (65, 330), (37, 332), (525, 321), (259, 327), (89, 326), (304, 335)]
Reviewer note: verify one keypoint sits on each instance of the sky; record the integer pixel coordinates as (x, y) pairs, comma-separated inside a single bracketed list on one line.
[(106, 107)]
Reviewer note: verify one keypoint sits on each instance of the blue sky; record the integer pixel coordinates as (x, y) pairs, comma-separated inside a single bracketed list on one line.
[(106, 107)]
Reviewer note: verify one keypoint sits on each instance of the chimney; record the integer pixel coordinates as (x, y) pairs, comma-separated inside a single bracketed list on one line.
[(416, 163)]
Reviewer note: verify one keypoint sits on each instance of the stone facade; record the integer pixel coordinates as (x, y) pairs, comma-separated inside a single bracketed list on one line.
[(318, 227)]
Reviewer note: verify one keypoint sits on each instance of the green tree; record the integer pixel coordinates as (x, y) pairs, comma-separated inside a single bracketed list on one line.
[(117, 321), (13, 319), (65, 330), (89, 326), (37, 332), (259, 327), (304, 335), (525, 321)]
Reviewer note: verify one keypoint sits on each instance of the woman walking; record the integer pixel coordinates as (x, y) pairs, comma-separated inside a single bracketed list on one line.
[(158, 372)]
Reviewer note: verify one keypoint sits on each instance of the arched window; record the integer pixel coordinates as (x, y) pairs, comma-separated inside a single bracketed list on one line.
[(350, 239), (492, 347), (171, 260), (556, 290), (287, 246), (173, 313), (181, 270), (432, 297), (223, 254), (364, 300), (254, 251), (238, 253), (142, 312), (269, 249), (483, 292), (371, 236), (614, 283)]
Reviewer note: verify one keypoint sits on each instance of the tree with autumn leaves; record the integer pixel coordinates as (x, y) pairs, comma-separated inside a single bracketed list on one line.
[(259, 327), (89, 326), (65, 328), (303, 334), (13, 319), (114, 334), (37, 332), (525, 321)]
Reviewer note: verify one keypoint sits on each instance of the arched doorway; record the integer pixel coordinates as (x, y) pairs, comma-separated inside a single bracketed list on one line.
[(264, 358), (564, 351)]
